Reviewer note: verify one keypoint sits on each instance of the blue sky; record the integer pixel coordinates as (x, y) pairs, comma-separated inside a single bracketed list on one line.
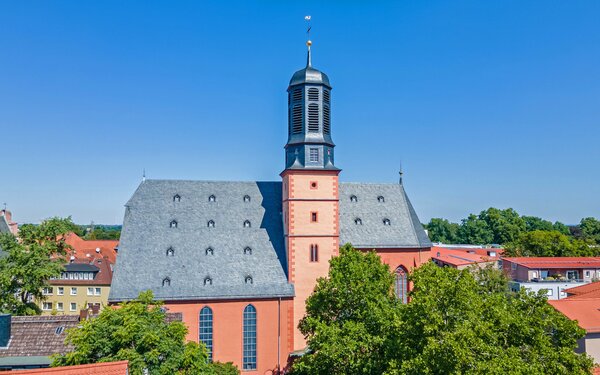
[(485, 103)]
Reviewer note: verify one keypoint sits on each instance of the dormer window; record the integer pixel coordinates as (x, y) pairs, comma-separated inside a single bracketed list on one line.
[(247, 251), (246, 198), (209, 251), (170, 252), (176, 198), (212, 198), (247, 224), (249, 280), (380, 199), (166, 282), (210, 224), (207, 280), (173, 224), (387, 222), (358, 221), (353, 199)]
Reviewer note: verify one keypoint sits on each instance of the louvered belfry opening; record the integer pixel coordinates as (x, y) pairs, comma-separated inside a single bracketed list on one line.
[(313, 117), (297, 119), (313, 94)]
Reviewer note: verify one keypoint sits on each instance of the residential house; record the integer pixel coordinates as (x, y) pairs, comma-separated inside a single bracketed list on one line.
[(461, 258), (6, 223)]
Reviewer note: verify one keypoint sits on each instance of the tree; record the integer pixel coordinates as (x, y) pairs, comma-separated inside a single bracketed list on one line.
[(562, 228), (460, 322), (349, 317), (30, 262), (590, 229), (548, 244), (475, 231), (441, 230), (137, 331), (505, 225), (535, 223)]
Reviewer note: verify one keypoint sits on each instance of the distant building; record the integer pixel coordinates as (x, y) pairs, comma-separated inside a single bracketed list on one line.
[(554, 275), (461, 258), (103, 368), (583, 306), (6, 223)]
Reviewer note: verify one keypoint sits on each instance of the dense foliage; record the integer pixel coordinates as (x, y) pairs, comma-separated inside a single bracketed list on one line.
[(495, 226), (457, 322), (138, 331), (27, 264), (98, 232), (549, 244)]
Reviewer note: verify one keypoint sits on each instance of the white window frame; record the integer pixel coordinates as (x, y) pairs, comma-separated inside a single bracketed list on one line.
[(73, 290), (314, 155), (71, 306), (60, 306), (97, 291), (45, 304), (60, 291), (90, 291), (47, 291)]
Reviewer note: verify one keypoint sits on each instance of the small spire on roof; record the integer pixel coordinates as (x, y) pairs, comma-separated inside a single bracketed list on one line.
[(401, 173), (144, 175), (308, 42)]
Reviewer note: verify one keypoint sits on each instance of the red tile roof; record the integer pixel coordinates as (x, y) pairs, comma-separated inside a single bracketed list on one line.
[(591, 290), (556, 262), (105, 368), (586, 311), (86, 249), (103, 277), (459, 257)]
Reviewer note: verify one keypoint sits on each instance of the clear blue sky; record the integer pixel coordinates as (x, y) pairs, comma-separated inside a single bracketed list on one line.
[(487, 103)]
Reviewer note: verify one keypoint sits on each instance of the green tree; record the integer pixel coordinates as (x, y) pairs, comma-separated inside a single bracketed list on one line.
[(505, 225), (461, 322), (475, 231), (541, 243), (562, 228), (349, 317), (590, 229), (137, 331), (441, 230), (535, 223), (30, 262)]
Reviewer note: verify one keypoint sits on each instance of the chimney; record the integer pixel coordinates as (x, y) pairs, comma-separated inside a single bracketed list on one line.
[(5, 322)]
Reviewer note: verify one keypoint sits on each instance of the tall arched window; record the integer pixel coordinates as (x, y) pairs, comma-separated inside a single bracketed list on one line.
[(206, 330), (401, 284), (249, 362)]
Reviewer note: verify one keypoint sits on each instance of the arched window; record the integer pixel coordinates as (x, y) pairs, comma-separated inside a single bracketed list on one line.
[(401, 284), (380, 199), (166, 282), (353, 199), (173, 224), (206, 330), (176, 198), (209, 251), (212, 198), (247, 251), (207, 280), (246, 198), (247, 224), (210, 224), (170, 252), (249, 280), (358, 221), (314, 253), (249, 358), (387, 222)]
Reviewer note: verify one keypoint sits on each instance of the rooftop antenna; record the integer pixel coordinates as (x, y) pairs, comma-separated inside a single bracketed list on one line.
[(308, 41)]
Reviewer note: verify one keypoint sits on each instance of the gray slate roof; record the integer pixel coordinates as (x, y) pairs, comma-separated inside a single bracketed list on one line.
[(4, 228), (143, 263)]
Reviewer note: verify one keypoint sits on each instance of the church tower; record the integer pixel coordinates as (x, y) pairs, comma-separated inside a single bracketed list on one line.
[(310, 189)]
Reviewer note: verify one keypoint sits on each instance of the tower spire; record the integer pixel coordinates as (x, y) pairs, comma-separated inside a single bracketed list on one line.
[(308, 43), (401, 173)]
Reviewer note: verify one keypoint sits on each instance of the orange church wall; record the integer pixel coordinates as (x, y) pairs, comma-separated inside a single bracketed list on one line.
[(271, 318)]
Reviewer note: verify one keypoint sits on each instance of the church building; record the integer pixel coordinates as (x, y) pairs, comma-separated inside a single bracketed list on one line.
[(238, 259)]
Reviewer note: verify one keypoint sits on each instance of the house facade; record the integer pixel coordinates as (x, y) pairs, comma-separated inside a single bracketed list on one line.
[(239, 259)]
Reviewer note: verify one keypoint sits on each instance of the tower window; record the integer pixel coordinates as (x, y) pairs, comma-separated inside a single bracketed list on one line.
[(353, 199), (313, 94), (326, 120), (297, 95), (313, 217), (210, 224), (326, 96), (166, 282), (247, 250), (170, 252), (380, 199), (246, 198), (387, 222), (358, 221), (207, 280), (249, 339), (176, 198), (212, 198), (314, 253), (247, 224), (206, 330), (313, 117), (297, 119), (313, 155), (248, 280), (209, 251), (173, 224)]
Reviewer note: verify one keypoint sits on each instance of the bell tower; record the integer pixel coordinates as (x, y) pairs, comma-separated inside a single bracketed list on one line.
[(310, 189)]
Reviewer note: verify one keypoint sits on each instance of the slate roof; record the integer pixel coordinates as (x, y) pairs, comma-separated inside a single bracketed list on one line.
[(405, 229), (36, 336), (4, 227), (142, 262), (146, 236)]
